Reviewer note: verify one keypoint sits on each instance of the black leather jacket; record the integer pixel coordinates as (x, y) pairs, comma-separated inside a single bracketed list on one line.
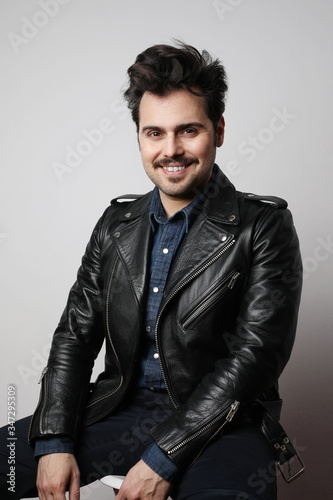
[(224, 332)]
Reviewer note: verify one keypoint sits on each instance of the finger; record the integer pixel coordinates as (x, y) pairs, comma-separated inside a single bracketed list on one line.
[(50, 491), (43, 493), (74, 485), (50, 495), (118, 494)]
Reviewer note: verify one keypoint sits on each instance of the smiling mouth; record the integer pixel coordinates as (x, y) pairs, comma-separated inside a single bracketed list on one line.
[(175, 169), (175, 165)]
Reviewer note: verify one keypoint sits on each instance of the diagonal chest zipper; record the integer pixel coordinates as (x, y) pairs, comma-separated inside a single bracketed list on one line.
[(214, 297)]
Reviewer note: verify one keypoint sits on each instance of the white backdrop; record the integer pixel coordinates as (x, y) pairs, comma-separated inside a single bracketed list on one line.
[(63, 66)]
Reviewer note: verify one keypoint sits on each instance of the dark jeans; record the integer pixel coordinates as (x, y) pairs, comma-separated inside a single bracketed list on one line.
[(238, 465)]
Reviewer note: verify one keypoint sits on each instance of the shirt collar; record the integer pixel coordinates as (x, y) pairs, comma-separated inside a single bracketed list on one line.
[(157, 213)]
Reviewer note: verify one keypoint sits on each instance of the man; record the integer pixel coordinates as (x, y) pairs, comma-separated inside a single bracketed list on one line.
[(195, 288)]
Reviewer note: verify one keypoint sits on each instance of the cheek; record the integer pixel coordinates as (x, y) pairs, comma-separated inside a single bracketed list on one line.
[(148, 154), (203, 151)]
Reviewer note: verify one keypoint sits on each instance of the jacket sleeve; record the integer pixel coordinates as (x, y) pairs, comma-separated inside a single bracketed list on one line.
[(75, 345), (259, 346)]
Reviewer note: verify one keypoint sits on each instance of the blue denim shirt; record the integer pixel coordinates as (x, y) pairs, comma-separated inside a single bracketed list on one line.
[(168, 237)]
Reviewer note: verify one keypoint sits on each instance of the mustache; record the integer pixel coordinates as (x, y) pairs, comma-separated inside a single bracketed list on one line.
[(183, 160)]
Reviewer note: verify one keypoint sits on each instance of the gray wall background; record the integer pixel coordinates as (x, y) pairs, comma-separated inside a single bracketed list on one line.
[(63, 64)]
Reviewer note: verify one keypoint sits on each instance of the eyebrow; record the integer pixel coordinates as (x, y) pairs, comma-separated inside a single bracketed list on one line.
[(182, 126)]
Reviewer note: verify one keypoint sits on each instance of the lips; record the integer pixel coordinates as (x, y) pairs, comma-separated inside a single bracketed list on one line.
[(175, 169), (175, 165)]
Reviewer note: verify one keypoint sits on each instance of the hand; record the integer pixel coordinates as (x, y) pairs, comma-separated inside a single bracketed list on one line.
[(55, 472), (142, 483)]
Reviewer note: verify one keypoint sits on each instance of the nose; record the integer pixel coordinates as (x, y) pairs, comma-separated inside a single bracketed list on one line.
[(173, 146)]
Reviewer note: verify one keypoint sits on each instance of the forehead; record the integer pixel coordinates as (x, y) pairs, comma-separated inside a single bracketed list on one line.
[(178, 107)]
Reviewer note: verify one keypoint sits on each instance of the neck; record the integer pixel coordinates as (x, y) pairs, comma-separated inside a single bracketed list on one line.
[(173, 205)]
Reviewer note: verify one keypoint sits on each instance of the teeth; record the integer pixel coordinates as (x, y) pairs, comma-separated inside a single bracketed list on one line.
[(174, 169)]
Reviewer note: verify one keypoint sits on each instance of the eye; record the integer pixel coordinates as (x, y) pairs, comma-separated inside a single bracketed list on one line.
[(154, 133), (189, 131)]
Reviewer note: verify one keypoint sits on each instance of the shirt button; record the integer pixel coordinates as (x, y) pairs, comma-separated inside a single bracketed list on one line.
[(156, 355), (155, 289), (165, 250), (148, 328)]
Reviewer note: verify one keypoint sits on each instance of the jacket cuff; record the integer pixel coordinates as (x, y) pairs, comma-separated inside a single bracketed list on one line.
[(54, 444), (154, 457)]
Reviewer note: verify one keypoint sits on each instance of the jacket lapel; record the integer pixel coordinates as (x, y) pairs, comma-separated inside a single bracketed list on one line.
[(133, 238), (207, 237), (209, 233), (201, 244)]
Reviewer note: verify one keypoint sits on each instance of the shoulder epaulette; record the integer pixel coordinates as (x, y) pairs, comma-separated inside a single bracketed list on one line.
[(273, 200), (125, 198)]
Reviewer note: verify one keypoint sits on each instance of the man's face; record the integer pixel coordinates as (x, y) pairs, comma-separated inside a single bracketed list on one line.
[(177, 144)]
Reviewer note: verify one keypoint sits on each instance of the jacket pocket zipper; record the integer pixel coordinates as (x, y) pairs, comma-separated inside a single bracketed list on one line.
[(229, 414), (213, 298)]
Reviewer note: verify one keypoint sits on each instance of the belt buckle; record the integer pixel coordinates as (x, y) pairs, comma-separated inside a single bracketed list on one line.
[(296, 474)]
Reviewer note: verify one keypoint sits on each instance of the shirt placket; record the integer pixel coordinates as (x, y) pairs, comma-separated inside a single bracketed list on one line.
[(171, 232)]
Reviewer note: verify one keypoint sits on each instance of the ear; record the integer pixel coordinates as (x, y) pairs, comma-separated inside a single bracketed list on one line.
[(220, 132)]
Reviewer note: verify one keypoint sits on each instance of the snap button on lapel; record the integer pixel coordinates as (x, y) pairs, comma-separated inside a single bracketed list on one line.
[(128, 215), (116, 235), (232, 218), (223, 237)]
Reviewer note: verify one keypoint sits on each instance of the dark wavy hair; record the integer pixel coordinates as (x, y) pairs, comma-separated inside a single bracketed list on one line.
[(161, 69)]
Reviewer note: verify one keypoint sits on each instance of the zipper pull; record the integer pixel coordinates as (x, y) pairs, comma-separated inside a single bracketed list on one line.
[(42, 374), (233, 281), (233, 409)]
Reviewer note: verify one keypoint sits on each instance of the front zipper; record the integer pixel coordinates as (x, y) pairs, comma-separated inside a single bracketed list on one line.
[(110, 339), (213, 298), (229, 413), (199, 271)]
